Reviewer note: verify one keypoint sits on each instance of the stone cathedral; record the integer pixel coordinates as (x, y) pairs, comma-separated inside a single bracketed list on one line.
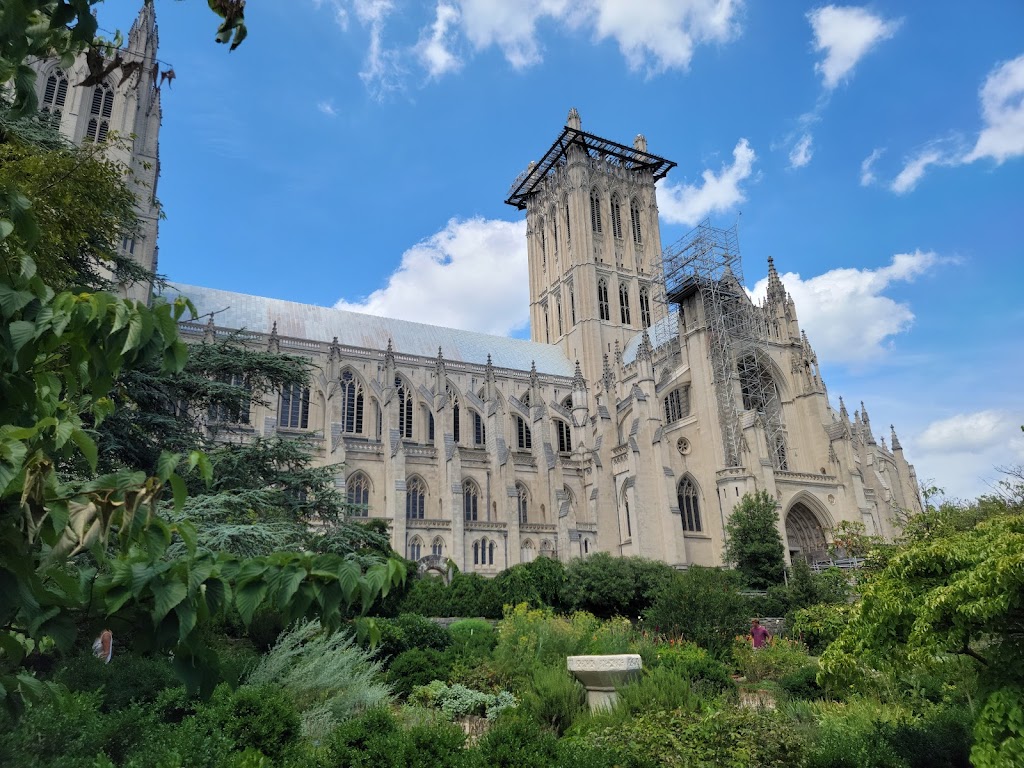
[(652, 395)]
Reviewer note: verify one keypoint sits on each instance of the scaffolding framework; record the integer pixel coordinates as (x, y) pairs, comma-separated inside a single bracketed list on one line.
[(706, 262)]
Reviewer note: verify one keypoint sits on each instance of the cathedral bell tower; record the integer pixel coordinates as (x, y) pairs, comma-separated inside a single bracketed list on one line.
[(593, 242)]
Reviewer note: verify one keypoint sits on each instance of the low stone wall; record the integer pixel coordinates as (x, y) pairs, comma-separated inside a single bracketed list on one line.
[(776, 625), (447, 621)]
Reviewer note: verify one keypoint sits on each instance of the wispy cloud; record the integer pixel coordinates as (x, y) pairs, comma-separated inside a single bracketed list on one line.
[(690, 203), (435, 47), (845, 35), (327, 108), (1001, 137), (867, 172), (802, 153)]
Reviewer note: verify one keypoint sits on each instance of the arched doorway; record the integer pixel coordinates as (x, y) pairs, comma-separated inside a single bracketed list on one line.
[(804, 535)]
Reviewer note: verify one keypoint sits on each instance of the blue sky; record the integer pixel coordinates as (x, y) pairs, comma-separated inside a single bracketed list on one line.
[(358, 152)]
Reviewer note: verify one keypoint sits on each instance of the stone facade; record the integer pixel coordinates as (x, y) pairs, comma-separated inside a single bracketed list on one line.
[(608, 431)]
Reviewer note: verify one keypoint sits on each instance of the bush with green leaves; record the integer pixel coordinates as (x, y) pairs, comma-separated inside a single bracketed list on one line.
[(517, 740), (706, 674), (773, 661), (753, 544), (377, 740), (555, 698), (703, 606), (416, 667), (328, 676), (609, 586), (472, 638), (408, 631), (820, 624), (803, 683), (658, 689), (129, 678), (457, 701)]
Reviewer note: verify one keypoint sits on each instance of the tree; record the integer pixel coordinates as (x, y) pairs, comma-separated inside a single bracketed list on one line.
[(704, 606), (753, 542), (613, 586), (955, 587)]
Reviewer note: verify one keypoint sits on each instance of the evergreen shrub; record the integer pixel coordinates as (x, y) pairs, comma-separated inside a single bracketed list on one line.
[(416, 667)]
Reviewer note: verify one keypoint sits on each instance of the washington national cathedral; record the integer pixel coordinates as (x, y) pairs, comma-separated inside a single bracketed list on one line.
[(652, 395)]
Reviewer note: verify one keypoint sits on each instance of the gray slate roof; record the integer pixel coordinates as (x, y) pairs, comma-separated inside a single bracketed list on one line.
[(316, 323)]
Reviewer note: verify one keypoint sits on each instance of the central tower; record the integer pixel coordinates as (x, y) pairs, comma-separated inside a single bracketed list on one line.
[(592, 242)]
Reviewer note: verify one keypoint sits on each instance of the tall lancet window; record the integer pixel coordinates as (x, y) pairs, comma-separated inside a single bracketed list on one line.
[(624, 303), (453, 401), (645, 307), (568, 231), (558, 312), (595, 211), (351, 404), (404, 408), (616, 218), (543, 245), (415, 498), (572, 306), (54, 96), (470, 500), (634, 218), (689, 505), (602, 299), (99, 113)]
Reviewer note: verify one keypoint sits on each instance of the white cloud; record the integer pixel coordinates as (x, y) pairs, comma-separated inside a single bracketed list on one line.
[(690, 203), (802, 153), (914, 169), (339, 10), (1001, 137), (327, 108), (439, 280), (661, 35), (1002, 109), (434, 49), (867, 173), (967, 432), (382, 71), (845, 312), (845, 35)]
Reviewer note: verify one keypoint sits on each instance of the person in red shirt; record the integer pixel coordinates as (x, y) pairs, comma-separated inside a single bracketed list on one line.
[(758, 634)]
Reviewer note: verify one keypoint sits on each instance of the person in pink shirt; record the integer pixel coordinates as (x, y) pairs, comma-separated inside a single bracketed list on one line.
[(758, 634)]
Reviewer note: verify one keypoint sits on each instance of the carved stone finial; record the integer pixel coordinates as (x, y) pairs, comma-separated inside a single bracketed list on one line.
[(842, 410), (640, 143), (389, 355), (607, 377), (489, 369), (644, 351), (618, 353), (776, 290), (210, 334), (534, 380), (573, 120), (895, 440), (274, 342), (863, 412), (578, 382)]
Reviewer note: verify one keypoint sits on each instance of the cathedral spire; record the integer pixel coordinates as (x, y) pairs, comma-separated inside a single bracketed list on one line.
[(578, 382), (843, 414), (776, 290), (573, 120), (895, 440)]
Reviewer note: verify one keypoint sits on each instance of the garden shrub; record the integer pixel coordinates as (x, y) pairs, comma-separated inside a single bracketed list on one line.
[(129, 678), (376, 740), (472, 638), (328, 677), (776, 659), (702, 605), (406, 632), (472, 595), (803, 683), (660, 689), (609, 586), (612, 637), (416, 667), (427, 596), (517, 741), (555, 698), (707, 675), (457, 701), (263, 719), (820, 624)]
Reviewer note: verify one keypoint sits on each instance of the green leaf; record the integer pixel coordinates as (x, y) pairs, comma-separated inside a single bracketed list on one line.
[(248, 598), (12, 300), (186, 619), (87, 446), (167, 593), (166, 464), (22, 332), (6, 227), (180, 492)]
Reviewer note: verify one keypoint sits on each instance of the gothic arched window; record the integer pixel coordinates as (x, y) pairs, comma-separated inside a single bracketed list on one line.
[(595, 211), (470, 500), (616, 217), (490, 552), (524, 441), (564, 436), (479, 430), (645, 308), (526, 552), (624, 303), (415, 498), (572, 305), (453, 400), (522, 503), (558, 312), (351, 404), (677, 404), (54, 96), (634, 217), (415, 547), (404, 408), (294, 410), (357, 492), (100, 111), (602, 299), (568, 232), (437, 547), (689, 505)]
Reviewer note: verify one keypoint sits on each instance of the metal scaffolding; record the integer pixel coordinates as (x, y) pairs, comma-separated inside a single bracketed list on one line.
[(706, 261)]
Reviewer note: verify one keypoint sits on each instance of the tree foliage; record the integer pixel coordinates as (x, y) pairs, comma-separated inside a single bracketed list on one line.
[(753, 542), (955, 587)]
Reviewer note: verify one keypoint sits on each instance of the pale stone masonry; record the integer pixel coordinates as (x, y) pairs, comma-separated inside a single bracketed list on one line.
[(623, 426)]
